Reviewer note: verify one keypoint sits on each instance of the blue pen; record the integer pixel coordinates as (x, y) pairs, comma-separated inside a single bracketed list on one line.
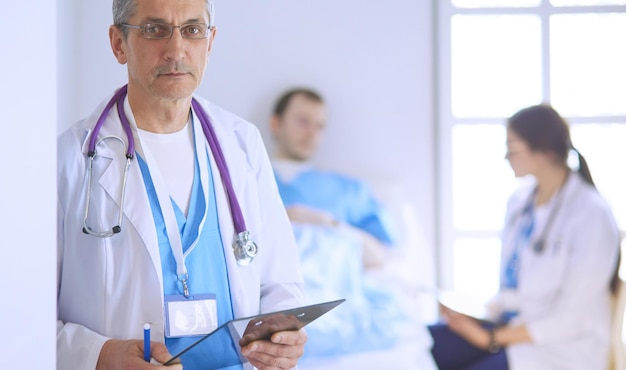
[(146, 342)]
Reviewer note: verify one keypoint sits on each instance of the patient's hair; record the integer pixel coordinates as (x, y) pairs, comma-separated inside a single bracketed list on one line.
[(543, 129), (283, 102)]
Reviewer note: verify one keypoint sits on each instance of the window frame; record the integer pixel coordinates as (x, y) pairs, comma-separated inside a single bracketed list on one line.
[(446, 233)]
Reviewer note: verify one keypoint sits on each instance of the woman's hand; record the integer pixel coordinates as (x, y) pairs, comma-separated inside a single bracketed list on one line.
[(467, 327), (470, 329)]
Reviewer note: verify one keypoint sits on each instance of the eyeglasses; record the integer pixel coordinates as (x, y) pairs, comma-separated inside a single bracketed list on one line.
[(159, 31)]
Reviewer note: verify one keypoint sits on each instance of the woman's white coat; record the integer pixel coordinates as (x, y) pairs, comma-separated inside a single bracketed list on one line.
[(563, 294)]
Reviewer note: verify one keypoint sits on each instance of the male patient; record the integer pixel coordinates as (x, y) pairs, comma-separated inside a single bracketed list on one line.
[(324, 198), (341, 230)]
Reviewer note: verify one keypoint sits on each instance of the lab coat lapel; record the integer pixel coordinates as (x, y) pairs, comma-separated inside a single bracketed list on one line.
[(136, 206), (240, 277)]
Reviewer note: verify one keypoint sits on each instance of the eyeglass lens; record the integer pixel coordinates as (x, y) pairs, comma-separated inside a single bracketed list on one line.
[(164, 30)]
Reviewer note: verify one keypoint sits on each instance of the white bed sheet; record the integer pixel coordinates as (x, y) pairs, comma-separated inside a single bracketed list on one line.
[(412, 350), (409, 269), (411, 353)]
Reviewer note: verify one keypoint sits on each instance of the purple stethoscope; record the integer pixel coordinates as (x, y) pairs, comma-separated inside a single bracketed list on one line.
[(243, 247)]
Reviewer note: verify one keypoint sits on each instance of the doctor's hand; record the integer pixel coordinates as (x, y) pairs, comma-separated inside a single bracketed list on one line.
[(128, 354), (281, 352), (467, 327)]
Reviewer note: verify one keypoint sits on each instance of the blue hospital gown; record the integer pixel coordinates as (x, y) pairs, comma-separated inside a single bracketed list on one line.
[(348, 200), (332, 266)]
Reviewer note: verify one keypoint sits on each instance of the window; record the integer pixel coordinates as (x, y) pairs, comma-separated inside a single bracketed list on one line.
[(496, 57)]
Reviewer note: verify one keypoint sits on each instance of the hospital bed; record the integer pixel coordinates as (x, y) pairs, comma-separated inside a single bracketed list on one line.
[(408, 270)]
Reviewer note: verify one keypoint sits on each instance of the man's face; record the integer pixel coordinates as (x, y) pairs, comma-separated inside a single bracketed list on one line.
[(299, 130), (169, 69)]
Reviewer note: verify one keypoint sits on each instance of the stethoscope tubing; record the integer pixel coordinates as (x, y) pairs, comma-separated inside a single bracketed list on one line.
[(209, 132), (238, 220), (118, 98), (539, 244)]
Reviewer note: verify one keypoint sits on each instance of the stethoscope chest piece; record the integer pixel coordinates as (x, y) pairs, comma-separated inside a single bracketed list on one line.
[(539, 246), (244, 248)]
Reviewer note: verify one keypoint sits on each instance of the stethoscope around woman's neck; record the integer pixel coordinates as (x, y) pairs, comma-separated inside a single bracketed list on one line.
[(243, 247), (539, 244)]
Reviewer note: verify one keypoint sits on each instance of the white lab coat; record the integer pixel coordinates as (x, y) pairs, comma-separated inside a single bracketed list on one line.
[(563, 293), (109, 287)]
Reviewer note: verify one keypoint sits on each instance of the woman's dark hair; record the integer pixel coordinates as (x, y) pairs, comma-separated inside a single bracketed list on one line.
[(616, 281), (543, 129)]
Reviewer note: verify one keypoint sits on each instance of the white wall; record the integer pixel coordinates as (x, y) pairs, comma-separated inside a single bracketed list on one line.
[(28, 186), (371, 60)]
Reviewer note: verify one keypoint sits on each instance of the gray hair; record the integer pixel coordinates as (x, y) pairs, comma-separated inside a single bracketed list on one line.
[(124, 9)]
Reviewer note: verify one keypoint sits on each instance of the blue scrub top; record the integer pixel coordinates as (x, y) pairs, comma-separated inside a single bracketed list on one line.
[(206, 266)]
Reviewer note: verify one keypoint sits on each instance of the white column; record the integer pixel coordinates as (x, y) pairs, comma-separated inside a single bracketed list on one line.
[(28, 88)]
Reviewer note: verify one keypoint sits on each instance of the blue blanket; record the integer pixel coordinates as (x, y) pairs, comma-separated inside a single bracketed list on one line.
[(370, 319)]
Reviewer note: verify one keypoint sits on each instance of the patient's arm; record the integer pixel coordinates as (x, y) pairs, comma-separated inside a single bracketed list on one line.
[(374, 252), (308, 215)]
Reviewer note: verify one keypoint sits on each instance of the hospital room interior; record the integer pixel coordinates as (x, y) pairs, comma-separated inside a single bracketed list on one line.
[(417, 96)]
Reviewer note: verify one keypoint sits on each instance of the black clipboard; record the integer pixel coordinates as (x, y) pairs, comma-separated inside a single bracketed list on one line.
[(232, 335)]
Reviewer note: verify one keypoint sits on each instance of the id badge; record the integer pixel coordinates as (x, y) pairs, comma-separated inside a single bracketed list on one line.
[(185, 317)]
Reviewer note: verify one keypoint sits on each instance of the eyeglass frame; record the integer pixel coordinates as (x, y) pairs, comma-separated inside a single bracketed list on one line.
[(171, 27)]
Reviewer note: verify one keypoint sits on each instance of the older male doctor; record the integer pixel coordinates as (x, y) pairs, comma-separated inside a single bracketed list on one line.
[(158, 192)]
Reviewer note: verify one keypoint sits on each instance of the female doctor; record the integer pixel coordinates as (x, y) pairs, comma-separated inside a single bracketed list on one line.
[(559, 265)]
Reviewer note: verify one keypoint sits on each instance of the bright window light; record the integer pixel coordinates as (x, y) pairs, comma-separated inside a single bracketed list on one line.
[(477, 267), (496, 64), (496, 59), (495, 3), (588, 73), (603, 146), (482, 180), (586, 2)]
